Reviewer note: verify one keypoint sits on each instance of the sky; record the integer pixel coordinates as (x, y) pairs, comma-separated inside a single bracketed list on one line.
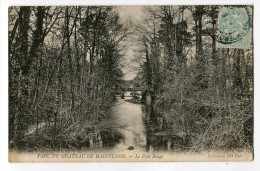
[(135, 13)]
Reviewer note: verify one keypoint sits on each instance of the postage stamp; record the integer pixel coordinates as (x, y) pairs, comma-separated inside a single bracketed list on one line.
[(234, 28)]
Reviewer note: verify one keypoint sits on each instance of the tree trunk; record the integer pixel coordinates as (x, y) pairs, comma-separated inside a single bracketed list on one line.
[(24, 15), (67, 23), (237, 83), (222, 79), (214, 50), (201, 80)]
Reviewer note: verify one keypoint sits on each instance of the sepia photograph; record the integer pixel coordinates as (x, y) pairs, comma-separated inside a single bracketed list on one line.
[(151, 83)]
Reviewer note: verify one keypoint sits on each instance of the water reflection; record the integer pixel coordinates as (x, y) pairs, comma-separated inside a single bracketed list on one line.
[(128, 118), (128, 128)]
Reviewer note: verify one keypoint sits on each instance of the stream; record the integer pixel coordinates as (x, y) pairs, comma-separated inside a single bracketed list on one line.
[(128, 120), (125, 129)]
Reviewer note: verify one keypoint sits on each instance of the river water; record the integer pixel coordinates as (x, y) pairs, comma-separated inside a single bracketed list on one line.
[(125, 129), (127, 118)]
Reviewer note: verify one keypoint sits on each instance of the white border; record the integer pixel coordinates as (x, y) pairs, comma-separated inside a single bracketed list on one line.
[(216, 166)]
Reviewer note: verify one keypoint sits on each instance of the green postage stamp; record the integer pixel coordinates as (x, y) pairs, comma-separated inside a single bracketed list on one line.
[(234, 28)]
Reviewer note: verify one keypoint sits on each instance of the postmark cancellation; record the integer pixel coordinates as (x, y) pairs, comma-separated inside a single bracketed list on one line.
[(234, 28)]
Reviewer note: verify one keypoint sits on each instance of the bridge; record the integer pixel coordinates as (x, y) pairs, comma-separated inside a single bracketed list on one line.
[(129, 89), (122, 90)]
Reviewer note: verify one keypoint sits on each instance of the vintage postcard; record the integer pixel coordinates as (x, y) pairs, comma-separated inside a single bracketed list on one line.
[(131, 83)]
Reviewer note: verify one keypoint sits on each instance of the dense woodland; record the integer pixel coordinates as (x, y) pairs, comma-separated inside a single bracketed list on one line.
[(198, 91), (65, 61)]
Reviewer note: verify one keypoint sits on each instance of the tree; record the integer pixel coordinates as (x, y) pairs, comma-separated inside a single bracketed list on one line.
[(202, 87), (56, 55), (201, 76)]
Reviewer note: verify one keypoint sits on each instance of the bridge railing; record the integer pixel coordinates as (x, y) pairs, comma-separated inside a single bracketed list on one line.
[(130, 89)]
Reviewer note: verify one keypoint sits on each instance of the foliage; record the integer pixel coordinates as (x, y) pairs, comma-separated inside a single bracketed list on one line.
[(63, 63), (203, 92)]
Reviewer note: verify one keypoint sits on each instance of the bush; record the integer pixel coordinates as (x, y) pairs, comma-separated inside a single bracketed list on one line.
[(213, 122)]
